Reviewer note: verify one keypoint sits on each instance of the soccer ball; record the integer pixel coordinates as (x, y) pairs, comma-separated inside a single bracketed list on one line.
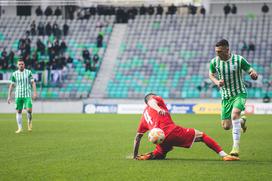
[(156, 136)]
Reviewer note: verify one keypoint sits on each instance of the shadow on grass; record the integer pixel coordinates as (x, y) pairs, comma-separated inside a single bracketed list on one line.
[(219, 160)]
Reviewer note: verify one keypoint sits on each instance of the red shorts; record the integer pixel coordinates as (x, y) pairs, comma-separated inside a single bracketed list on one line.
[(180, 137)]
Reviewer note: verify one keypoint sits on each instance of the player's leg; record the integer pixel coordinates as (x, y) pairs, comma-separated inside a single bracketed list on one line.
[(238, 123), (226, 109), (28, 106), (200, 136), (19, 107), (158, 154)]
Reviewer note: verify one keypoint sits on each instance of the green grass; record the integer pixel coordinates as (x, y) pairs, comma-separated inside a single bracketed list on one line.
[(95, 147)]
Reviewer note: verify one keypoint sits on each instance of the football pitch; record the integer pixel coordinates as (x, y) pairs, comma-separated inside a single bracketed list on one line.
[(97, 147)]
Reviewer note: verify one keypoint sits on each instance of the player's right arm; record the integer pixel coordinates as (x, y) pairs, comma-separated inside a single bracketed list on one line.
[(217, 82), (154, 105), (137, 142), (212, 75), (11, 86)]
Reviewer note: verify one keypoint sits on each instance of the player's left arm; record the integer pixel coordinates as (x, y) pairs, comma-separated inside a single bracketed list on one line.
[(136, 146), (11, 86), (34, 90), (154, 105), (33, 86), (248, 68)]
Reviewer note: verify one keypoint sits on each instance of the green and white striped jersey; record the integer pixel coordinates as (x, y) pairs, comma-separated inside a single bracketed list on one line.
[(231, 72), (22, 81)]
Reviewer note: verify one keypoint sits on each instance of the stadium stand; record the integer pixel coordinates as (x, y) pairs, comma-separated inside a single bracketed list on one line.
[(169, 54), (75, 81)]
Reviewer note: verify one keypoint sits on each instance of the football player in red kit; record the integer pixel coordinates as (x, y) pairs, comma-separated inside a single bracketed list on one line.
[(156, 115)]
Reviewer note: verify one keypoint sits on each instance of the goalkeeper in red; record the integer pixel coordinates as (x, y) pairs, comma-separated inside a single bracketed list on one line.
[(156, 115)]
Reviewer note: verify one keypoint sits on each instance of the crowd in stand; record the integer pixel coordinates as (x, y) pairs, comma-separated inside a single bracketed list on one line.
[(48, 29)]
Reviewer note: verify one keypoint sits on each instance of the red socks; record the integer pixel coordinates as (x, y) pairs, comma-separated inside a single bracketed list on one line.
[(211, 143)]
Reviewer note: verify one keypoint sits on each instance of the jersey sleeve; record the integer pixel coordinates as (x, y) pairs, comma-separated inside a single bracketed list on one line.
[(212, 67), (143, 127), (30, 76), (158, 99), (12, 79), (245, 65)]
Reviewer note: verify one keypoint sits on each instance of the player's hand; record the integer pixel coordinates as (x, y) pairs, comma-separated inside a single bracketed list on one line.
[(147, 156), (162, 112), (9, 100), (253, 75), (35, 95), (220, 83)]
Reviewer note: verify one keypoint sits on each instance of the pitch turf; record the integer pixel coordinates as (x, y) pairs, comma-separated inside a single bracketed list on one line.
[(95, 147)]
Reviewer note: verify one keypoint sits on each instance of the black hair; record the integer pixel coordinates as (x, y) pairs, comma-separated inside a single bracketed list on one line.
[(146, 98), (223, 43)]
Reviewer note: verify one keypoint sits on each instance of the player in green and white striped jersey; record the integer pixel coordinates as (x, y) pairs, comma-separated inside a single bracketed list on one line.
[(23, 82), (226, 72)]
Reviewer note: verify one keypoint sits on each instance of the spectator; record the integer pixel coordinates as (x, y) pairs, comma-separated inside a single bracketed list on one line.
[(95, 58), (203, 11), (4, 63), (41, 29), (69, 61), (251, 46), (150, 10), (56, 46), (92, 11), (48, 29), (81, 14), (65, 29), (28, 48), (265, 8), (28, 62), (70, 11), (48, 11), (172, 9), (99, 40), (55, 72), (227, 9), (86, 59), (86, 14), (63, 46), (143, 10), (94, 62), (56, 30), (39, 11), (33, 28), (234, 9), (11, 57), (4, 60), (58, 11), (40, 46), (192, 9), (49, 49), (159, 10), (4, 53), (35, 57), (55, 27), (121, 16), (86, 55)]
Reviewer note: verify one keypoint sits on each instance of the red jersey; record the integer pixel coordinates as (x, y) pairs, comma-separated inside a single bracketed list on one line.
[(152, 119)]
